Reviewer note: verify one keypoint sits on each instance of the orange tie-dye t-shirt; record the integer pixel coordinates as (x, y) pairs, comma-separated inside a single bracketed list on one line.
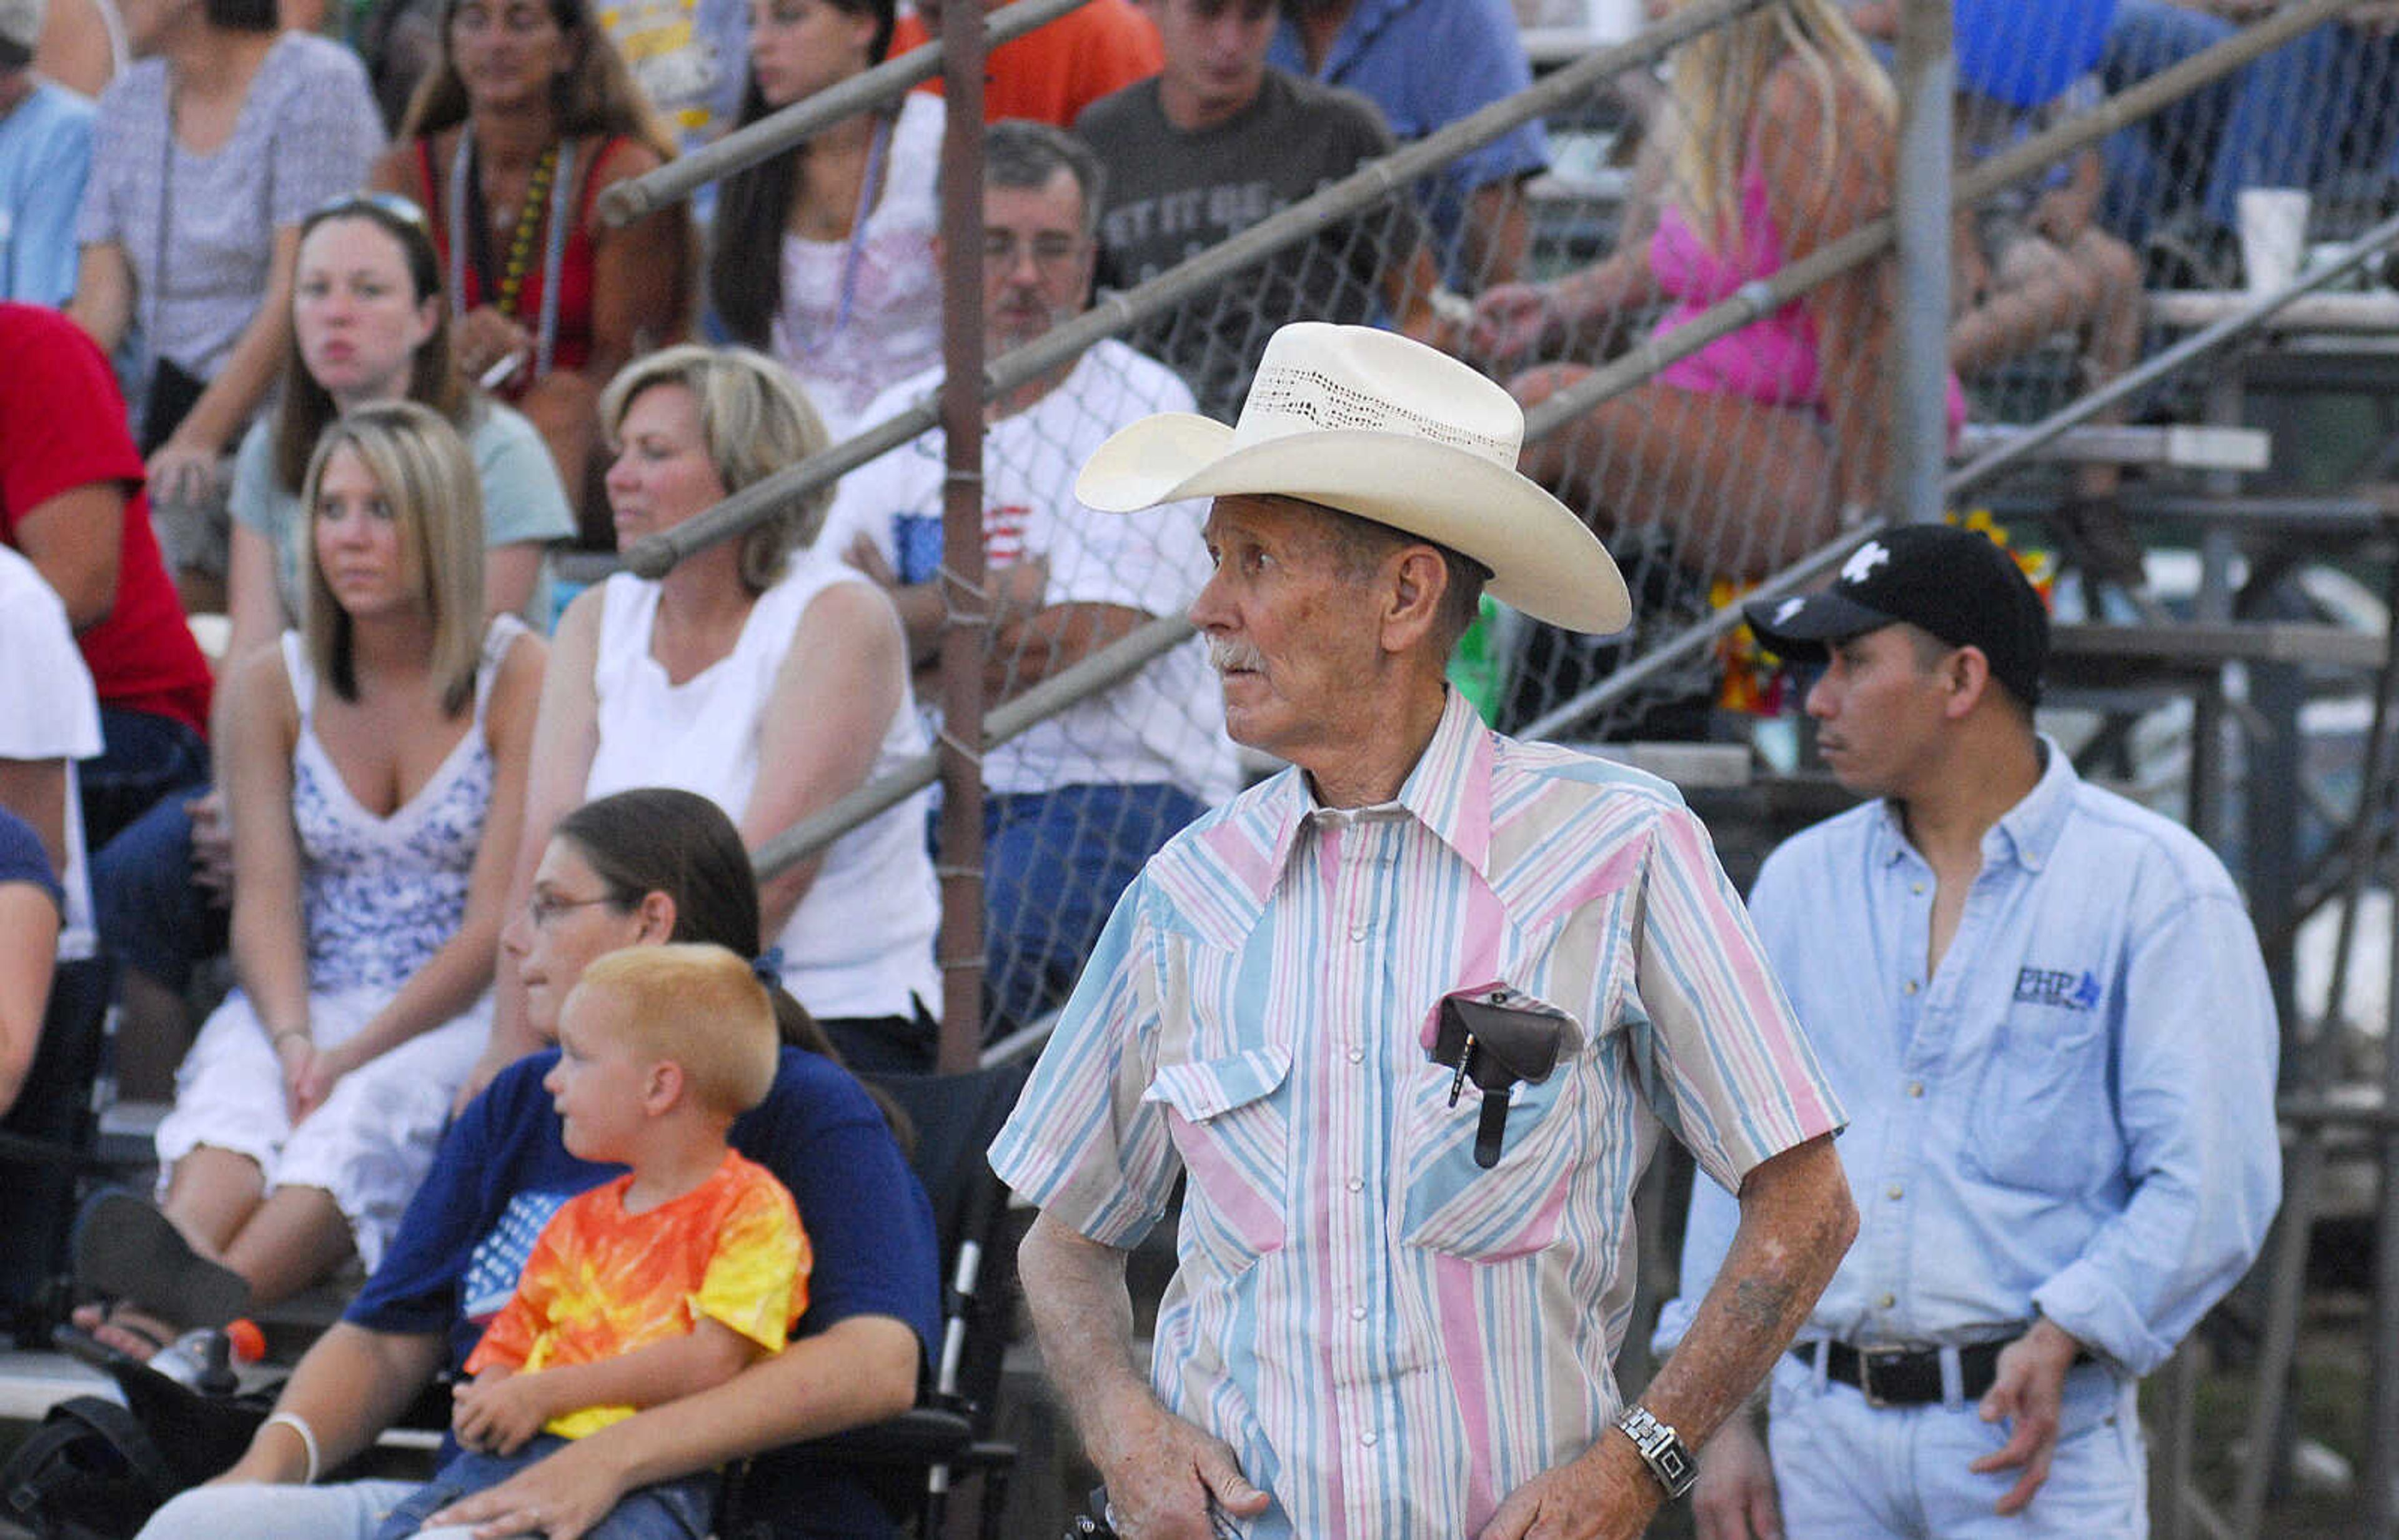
[(602, 1282)]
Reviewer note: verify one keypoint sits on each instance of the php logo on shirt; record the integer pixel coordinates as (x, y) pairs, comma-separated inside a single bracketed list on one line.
[(2065, 990)]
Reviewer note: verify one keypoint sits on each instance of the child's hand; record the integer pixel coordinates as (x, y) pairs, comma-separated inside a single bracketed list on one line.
[(499, 1412)]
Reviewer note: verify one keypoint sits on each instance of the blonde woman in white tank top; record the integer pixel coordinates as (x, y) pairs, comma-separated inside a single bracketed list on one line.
[(749, 654)]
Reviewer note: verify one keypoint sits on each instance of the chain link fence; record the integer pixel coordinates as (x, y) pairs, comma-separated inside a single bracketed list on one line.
[(1685, 179)]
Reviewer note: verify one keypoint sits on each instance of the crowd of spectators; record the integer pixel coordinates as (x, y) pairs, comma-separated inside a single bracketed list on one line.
[(345, 376)]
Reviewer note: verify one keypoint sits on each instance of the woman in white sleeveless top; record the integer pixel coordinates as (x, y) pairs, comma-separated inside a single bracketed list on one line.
[(753, 652), (376, 764)]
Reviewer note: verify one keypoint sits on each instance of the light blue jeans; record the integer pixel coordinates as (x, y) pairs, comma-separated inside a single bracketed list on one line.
[(1844, 1471), (340, 1510)]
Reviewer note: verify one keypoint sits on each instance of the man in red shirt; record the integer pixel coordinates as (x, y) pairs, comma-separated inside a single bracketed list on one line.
[(71, 500), (1054, 72)]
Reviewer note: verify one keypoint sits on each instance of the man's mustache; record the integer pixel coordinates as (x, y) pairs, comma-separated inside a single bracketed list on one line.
[(1226, 654)]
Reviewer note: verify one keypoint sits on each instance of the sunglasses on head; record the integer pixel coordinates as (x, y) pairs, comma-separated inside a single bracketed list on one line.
[(391, 204)]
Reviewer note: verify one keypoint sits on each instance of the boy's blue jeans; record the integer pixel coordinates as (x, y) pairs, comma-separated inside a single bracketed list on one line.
[(683, 1510)]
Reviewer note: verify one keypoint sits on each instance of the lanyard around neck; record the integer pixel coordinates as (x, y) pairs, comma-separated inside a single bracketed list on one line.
[(562, 201)]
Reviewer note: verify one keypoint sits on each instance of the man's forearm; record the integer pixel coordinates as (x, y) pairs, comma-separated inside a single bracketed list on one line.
[(1074, 1291), (1796, 1222)]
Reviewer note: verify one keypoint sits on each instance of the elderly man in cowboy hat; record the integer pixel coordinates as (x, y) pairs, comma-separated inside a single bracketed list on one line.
[(1410, 1018)]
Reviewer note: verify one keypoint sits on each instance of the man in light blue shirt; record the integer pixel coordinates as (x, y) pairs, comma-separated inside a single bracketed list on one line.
[(2045, 1009), (45, 156), (1426, 64)]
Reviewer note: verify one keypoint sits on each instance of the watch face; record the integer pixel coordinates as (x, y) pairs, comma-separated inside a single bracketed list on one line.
[(1662, 1450)]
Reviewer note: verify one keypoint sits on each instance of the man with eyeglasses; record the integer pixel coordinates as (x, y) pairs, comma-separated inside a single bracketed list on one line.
[(1219, 140), (1078, 801)]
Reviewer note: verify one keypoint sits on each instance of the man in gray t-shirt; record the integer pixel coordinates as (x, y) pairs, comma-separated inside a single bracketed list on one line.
[(1217, 141)]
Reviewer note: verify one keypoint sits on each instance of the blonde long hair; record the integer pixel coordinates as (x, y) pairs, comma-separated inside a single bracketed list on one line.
[(428, 479), (1720, 78)]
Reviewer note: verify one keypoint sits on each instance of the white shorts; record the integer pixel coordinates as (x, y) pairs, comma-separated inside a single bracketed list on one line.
[(369, 1145)]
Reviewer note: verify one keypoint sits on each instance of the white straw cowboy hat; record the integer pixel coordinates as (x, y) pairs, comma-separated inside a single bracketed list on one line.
[(1388, 429)]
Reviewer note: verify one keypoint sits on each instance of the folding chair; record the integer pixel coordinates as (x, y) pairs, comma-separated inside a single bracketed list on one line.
[(916, 1455)]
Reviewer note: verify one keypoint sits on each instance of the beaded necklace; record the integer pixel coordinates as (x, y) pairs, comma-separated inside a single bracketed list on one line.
[(529, 213)]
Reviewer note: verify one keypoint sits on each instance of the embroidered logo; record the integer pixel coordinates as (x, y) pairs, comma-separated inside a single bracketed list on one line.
[(1789, 607), (2039, 986), (1864, 561)]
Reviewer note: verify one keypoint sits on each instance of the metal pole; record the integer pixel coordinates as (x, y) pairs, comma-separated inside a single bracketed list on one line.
[(771, 135), (1928, 83), (2381, 1470), (965, 638)]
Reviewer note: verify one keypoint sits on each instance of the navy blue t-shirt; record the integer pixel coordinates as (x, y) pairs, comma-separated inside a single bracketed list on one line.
[(503, 1169)]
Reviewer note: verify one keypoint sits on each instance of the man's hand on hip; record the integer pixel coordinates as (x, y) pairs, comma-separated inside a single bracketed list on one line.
[(1606, 1494), (2031, 1393), (1163, 1473), (1734, 1499)]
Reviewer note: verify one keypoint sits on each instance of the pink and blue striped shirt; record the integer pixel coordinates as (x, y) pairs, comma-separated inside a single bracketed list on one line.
[(1390, 1338)]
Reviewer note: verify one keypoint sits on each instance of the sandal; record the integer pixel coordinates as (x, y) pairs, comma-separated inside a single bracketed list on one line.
[(128, 1250), (93, 1322)]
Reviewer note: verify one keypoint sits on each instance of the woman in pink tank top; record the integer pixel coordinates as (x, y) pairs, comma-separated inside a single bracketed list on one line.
[(1752, 450)]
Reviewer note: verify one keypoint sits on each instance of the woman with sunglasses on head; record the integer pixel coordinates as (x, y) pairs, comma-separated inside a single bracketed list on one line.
[(375, 762), (528, 118), (206, 156), (824, 255), (639, 868), (367, 325)]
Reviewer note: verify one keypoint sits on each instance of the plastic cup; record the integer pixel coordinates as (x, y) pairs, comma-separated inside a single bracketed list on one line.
[(2273, 235)]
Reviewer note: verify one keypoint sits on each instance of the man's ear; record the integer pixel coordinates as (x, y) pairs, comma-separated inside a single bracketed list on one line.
[(1967, 672), (1416, 578)]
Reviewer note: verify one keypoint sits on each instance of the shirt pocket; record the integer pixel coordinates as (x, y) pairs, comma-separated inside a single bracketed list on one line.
[(2040, 1119), (1449, 1204), (1231, 1127)]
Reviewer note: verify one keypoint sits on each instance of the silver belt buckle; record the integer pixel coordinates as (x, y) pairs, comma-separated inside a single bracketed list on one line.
[(1866, 1357)]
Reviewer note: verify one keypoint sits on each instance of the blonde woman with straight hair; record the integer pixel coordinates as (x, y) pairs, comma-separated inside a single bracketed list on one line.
[(757, 652), (376, 764), (1776, 137)]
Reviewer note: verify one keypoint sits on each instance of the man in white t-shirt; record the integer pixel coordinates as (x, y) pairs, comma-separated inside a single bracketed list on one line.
[(1078, 803)]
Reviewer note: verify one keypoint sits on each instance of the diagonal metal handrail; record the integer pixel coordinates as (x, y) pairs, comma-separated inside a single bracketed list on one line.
[(1087, 677)]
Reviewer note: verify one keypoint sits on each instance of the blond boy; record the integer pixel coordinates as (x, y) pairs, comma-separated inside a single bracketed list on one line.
[(671, 1278)]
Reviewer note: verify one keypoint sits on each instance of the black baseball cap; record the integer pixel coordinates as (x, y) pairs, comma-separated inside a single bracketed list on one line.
[(1956, 584)]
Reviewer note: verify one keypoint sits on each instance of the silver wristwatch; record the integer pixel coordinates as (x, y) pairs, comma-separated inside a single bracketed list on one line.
[(1662, 1451)]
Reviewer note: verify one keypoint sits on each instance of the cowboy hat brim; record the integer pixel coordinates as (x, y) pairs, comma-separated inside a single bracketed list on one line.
[(1544, 562)]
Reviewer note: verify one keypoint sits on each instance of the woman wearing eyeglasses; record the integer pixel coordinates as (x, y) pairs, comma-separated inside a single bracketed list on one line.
[(639, 868), (824, 255), (367, 325), (376, 762), (527, 118)]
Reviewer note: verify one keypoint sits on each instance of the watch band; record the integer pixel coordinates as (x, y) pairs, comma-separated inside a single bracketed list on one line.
[(1662, 1450)]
